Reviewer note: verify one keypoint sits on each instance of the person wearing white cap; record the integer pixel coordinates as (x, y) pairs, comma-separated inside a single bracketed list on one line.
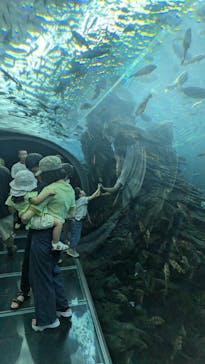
[(19, 166), (25, 199)]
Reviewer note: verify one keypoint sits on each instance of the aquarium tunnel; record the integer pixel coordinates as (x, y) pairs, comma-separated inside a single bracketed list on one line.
[(117, 90)]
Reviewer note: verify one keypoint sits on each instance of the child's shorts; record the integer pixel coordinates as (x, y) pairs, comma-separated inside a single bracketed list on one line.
[(42, 222)]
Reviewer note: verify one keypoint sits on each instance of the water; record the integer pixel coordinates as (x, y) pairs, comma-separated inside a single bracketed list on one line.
[(69, 65)]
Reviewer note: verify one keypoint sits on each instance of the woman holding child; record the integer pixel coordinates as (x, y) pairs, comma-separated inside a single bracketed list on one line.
[(45, 275)]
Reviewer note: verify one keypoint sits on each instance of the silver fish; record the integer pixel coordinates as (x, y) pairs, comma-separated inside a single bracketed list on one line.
[(142, 106), (180, 80), (144, 71), (195, 59)]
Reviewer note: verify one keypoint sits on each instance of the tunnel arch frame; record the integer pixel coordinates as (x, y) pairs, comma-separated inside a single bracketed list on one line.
[(9, 135)]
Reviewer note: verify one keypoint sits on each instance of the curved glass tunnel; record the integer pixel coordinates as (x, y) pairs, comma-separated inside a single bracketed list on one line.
[(117, 88)]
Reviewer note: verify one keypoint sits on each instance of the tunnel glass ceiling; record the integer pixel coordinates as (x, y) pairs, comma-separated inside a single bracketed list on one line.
[(59, 59)]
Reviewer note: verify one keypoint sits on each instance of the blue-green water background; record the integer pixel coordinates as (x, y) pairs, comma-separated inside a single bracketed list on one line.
[(61, 60)]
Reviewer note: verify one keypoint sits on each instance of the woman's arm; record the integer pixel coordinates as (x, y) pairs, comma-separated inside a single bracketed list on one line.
[(113, 189), (95, 194), (41, 197)]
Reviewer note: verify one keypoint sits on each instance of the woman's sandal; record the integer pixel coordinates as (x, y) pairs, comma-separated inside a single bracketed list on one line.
[(19, 301)]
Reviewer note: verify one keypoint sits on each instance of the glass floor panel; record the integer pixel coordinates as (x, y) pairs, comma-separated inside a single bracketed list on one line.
[(76, 341), (9, 286), (13, 264)]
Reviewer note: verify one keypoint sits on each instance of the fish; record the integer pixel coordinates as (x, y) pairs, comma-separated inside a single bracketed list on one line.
[(194, 92), (96, 92), (201, 154), (8, 76), (180, 80), (8, 36), (186, 43), (77, 69), (93, 23), (139, 269), (32, 50), (86, 106), (197, 103), (195, 59), (142, 106), (96, 52), (144, 71), (142, 227), (79, 39), (129, 28)]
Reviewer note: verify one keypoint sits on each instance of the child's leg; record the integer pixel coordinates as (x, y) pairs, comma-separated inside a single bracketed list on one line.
[(56, 243), (27, 216), (57, 228)]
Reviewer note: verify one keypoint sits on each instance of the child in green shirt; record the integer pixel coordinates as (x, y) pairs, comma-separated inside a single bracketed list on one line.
[(28, 203)]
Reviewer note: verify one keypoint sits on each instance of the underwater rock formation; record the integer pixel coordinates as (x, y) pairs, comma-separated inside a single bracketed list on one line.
[(145, 265)]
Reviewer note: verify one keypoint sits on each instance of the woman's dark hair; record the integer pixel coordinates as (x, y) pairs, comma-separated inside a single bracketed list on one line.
[(17, 199), (68, 168), (32, 160), (77, 192), (52, 176)]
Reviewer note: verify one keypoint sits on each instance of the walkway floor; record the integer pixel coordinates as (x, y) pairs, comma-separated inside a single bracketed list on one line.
[(76, 341)]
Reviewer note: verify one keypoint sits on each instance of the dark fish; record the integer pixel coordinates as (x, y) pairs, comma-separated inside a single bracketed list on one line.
[(195, 92), (96, 52), (144, 71), (129, 28), (8, 36), (85, 106), (96, 92), (93, 23), (201, 154), (8, 76), (32, 50), (139, 269), (186, 43), (142, 106), (20, 103), (77, 69), (79, 39)]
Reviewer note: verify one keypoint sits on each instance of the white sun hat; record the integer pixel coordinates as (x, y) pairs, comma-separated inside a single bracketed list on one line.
[(23, 182)]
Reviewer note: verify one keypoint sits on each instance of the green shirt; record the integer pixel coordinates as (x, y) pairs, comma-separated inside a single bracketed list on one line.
[(23, 206), (59, 205)]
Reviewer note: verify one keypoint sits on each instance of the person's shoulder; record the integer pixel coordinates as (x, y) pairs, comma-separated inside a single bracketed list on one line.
[(15, 165), (83, 199), (4, 170)]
